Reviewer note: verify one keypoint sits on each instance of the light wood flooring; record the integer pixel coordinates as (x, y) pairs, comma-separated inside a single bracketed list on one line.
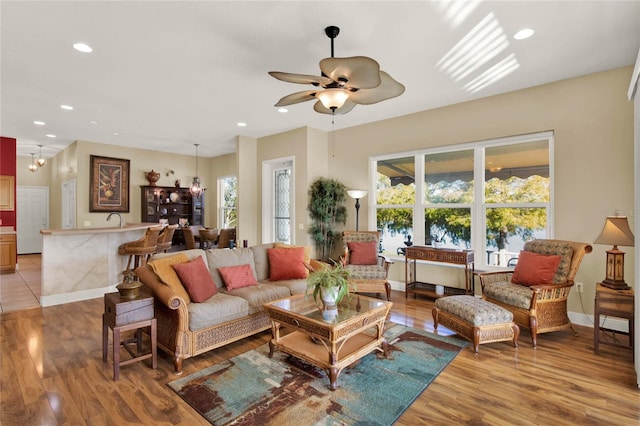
[(21, 290), (52, 374)]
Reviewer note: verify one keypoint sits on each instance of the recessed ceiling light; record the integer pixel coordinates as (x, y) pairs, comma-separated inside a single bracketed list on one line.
[(93, 122), (283, 110), (50, 135), (82, 47), (116, 134), (39, 123), (67, 107), (242, 124), (523, 34)]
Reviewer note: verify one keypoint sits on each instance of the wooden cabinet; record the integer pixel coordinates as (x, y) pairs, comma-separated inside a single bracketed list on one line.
[(7, 253), (446, 256), (175, 205)]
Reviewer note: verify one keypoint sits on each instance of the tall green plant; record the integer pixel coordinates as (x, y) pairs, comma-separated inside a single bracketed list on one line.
[(326, 209)]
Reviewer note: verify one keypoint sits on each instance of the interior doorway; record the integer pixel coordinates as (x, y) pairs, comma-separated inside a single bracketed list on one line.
[(32, 216)]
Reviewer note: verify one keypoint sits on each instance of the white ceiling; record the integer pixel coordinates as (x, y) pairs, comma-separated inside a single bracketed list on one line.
[(166, 75)]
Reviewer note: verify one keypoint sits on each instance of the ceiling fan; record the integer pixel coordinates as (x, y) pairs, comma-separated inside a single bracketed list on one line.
[(344, 83)]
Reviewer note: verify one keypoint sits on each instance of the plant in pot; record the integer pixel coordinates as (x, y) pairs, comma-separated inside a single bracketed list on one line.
[(330, 284), (326, 209), (438, 239)]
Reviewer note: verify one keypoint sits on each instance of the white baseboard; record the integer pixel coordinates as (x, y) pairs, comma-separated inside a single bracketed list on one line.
[(59, 299)]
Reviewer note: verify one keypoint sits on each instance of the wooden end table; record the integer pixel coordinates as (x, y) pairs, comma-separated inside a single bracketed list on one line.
[(615, 303), (121, 314), (331, 340)]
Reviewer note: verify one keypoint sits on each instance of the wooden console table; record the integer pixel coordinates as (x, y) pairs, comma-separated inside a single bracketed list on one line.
[(451, 256)]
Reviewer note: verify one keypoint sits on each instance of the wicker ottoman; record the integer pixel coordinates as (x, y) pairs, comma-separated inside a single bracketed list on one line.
[(475, 319)]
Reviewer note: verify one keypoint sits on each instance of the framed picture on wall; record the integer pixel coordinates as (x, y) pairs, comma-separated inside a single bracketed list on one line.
[(109, 185)]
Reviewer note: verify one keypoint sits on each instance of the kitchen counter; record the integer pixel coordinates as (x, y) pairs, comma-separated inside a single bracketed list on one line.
[(80, 264)]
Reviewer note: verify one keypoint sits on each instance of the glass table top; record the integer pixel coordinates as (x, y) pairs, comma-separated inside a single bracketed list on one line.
[(350, 307)]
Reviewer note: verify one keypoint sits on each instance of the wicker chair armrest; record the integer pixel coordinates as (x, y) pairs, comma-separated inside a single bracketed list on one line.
[(385, 262), (492, 277)]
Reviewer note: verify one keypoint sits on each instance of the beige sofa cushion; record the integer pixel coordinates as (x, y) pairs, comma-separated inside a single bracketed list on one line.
[(258, 295), (294, 286), (261, 260), (217, 258), (215, 310)]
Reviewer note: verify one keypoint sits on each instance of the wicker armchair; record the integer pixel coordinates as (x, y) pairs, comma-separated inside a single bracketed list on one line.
[(165, 238), (368, 278), (539, 308)]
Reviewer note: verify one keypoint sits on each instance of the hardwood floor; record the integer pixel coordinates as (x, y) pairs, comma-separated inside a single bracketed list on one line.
[(52, 374), (21, 290)]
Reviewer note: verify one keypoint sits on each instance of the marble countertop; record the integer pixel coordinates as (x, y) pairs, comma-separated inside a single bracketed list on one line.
[(7, 230), (111, 229)]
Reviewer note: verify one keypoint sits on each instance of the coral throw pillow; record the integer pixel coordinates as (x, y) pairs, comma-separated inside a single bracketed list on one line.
[(163, 267), (307, 250), (287, 264), (363, 253), (237, 276), (196, 279), (533, 268)]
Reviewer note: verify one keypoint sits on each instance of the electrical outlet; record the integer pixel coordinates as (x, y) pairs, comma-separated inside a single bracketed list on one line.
[(579, 287)]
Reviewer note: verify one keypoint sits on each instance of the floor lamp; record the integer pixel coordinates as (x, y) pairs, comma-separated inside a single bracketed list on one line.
[(357, 194)]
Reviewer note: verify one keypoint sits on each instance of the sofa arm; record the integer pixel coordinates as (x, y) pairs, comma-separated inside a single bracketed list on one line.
[(162, 292)]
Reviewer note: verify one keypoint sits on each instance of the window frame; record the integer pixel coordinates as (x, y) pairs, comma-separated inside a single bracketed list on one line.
[(478, 208), (222, 207)]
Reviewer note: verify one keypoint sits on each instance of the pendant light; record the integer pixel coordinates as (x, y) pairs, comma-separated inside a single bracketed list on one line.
[(33, 167), (196, 189), (41, 162)]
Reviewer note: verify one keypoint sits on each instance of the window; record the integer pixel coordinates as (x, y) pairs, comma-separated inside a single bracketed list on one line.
[(489, 196), (227, 203)]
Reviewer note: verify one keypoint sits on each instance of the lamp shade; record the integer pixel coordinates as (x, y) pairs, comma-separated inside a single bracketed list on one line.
[(356, 193), (616, 232), (332, 98)]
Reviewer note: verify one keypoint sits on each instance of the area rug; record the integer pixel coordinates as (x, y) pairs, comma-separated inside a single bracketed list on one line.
[(253, 389)]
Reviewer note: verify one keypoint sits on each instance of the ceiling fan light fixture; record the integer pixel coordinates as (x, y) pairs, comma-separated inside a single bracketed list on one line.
[(333, 98)]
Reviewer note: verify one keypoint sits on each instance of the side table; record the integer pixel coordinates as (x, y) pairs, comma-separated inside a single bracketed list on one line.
[(615, 303), (123, 314)]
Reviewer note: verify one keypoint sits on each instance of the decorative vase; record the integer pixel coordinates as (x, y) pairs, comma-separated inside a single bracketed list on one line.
[(152, 177), (438, 244), (329, 296)]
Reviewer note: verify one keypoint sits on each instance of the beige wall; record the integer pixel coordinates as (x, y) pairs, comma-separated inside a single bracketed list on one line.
[(141, 161), (593, 124)]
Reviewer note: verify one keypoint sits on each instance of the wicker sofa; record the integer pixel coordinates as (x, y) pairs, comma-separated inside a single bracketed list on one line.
[(186, 329)]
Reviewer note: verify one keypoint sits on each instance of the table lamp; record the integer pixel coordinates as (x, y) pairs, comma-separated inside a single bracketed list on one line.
[(357, 194), (617, 232)]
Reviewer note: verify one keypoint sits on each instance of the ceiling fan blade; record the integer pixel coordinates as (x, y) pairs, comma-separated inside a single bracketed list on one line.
[(389, 88), (358, 72), (348, 106), (296, 98), (300, 78)]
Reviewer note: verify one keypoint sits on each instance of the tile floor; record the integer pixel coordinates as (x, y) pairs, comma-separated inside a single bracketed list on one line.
[(22, 289)]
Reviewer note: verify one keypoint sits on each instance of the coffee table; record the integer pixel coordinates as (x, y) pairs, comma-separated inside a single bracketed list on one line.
[(332, 339)]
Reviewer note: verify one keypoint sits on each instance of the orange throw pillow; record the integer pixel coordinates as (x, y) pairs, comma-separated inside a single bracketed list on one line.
[(287, 264), (533, 268), (196, 279), (365, 253), (237, 276)]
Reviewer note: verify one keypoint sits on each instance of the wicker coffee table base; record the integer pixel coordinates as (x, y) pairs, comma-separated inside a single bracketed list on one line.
[(478, 334)]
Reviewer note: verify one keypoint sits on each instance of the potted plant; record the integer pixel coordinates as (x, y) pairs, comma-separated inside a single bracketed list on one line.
[(438, 239), (326, 209), (330, 284)]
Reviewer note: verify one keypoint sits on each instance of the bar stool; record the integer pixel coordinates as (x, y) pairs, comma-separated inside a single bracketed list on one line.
[(189, 239), (165, 239), (140, 250), (208, 237)]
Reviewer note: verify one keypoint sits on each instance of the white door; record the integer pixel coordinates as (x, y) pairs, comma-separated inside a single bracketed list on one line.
[(69, 204), (32, 216)]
